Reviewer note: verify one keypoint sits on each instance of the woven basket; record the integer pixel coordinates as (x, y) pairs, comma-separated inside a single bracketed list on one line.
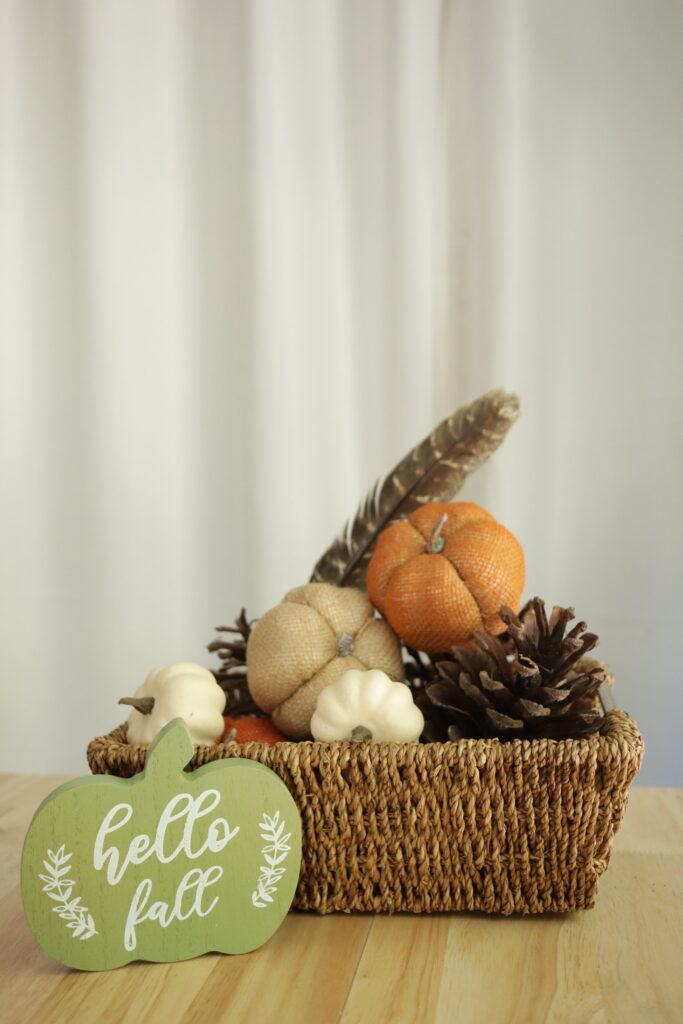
[(524, 826)]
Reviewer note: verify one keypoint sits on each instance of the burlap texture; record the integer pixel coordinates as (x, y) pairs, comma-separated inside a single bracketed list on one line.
[(293, 650), (522, 827), (437, 600)]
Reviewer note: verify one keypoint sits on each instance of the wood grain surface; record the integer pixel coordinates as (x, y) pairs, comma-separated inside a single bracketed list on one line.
[(620, 962)]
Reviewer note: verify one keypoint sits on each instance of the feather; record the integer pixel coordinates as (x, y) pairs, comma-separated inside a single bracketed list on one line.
[(435, 470)]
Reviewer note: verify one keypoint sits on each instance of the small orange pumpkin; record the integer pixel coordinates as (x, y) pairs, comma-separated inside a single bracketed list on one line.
[(443, 573), (251, 729)]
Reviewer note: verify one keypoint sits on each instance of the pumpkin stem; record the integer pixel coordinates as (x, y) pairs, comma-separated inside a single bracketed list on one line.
[(436, 541), (360, 733), (345, 645), (142, 704)]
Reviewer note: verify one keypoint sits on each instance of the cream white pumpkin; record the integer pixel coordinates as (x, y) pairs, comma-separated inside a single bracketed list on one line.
[(366, 705), (183, 690)]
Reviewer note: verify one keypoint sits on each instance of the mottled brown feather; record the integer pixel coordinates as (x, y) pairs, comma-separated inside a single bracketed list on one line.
[(434, 470)]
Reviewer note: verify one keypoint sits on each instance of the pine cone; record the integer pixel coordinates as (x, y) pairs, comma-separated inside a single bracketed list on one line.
[(420, 670), (529, 683), (232, 675)]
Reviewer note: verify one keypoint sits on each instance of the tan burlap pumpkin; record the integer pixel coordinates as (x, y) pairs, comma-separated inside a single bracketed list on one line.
[(303, 644)]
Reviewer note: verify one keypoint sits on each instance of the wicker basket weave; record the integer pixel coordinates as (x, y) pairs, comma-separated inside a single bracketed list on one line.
[(524, 826)]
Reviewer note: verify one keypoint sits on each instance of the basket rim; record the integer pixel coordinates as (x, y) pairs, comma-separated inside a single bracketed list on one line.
[(618, 733)]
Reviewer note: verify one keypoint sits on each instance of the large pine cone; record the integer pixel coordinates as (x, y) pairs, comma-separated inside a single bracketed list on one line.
[(528, 684)]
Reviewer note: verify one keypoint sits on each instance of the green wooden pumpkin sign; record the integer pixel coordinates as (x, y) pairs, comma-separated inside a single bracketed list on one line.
[(164, 866)]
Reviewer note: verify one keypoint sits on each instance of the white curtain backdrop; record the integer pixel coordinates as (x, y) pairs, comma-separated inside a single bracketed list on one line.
[(253, 251)]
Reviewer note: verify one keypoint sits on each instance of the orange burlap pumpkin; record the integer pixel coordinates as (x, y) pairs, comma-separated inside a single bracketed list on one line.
[(318, 632), (436, 580)]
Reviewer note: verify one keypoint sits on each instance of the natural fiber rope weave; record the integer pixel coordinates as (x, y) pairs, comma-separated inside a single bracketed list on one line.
[(511, 827)]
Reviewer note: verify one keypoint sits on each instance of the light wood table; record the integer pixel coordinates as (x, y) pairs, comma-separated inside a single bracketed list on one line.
[(621, 962)]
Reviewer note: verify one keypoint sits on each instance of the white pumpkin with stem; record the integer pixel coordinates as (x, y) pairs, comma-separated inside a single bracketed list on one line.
[(366, 706), (183, 690)]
